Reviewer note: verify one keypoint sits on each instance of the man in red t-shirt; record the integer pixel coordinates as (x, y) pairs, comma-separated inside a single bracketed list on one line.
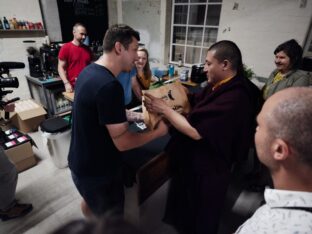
[(73, 57)]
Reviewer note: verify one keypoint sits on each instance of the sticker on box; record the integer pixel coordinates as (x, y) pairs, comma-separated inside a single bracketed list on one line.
[(14, 135), (22, 139), (10, 143)]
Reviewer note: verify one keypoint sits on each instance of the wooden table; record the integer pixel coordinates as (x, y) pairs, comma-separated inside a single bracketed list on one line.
[(69, 96)]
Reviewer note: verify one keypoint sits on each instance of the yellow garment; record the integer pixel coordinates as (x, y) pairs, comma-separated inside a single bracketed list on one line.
[(221, 83), (278, 77), (144, 82)]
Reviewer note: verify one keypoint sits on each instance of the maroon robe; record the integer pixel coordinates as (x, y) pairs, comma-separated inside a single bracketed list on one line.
[(225, 118)]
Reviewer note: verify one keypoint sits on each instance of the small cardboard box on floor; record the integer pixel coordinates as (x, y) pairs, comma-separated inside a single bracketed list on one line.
[(28, 115), (18, 148)]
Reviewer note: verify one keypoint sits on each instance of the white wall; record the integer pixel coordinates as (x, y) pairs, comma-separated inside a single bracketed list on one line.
[(13, 49), (144, 16), (259, 26), (51, 19)]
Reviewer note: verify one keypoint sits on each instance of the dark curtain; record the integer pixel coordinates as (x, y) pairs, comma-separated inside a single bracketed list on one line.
[(92, 13)]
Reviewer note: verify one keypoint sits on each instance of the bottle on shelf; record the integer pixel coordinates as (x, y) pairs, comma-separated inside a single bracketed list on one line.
[(1, 25), (11, 24), (14, 22), (6, 23), (180, 61)]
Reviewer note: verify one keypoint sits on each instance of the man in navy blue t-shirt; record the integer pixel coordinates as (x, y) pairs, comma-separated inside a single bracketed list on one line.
[(100, 127)]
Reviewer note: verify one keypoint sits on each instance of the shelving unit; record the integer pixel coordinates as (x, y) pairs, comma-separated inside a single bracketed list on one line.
[(49, 93), (14, 33)]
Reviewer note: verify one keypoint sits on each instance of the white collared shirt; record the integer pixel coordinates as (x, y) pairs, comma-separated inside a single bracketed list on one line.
[(270, 218)]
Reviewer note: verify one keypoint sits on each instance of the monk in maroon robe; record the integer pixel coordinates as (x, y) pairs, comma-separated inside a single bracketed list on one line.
[(204, 145)]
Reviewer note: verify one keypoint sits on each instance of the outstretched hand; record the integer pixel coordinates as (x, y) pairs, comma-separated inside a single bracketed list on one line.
[(154, 104)]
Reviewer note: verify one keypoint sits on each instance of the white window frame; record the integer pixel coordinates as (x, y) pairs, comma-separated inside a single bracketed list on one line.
[(204, 26), (307, 51)]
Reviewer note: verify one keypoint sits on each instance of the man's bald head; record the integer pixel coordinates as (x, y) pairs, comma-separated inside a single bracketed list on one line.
[(290, 119)]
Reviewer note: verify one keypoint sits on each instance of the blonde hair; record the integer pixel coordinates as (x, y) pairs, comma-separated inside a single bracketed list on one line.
[(146, 69)]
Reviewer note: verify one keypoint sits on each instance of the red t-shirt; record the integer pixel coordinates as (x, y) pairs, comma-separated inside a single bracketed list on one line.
[(76, 57)]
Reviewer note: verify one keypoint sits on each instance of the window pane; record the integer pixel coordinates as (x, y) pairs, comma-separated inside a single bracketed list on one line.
[(197, 1), (192, 55), (179, 1), (210, 36), (194, 36), (197, 14), (213, 15), (204, 54), (180, 14), (176, 52), (179, 34)]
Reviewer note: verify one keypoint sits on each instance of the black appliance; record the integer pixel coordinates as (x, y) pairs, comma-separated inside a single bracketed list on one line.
[(198, 74), (34, 61), (49, 56), (35, 66)]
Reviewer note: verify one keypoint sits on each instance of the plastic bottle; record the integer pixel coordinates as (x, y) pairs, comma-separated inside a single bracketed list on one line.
[(11, 24), (1, 25), (180, 61), (6, 23), (171, 70), (14, 22)]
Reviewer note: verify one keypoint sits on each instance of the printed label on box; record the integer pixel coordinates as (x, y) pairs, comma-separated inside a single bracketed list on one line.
[(10, 143), (22, 139)]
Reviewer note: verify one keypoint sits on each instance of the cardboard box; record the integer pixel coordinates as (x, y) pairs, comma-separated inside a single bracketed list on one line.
[(28, 115), (22, 156)]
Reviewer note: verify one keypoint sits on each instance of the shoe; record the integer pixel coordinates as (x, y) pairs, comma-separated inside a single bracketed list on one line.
[(18, 210)]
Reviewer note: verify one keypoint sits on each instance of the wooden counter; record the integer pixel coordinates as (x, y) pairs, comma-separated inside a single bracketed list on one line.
[(69, 96)]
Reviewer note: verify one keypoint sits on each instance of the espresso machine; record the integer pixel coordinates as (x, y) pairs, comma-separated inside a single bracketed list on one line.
[(49, 58), (34, 62)]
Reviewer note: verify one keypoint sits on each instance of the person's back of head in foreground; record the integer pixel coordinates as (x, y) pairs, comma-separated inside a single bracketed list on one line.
[(284, 137), (283, 142)]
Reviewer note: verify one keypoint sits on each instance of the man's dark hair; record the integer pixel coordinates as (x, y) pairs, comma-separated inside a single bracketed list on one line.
[(228, 50), (293, 50), (119, 33)]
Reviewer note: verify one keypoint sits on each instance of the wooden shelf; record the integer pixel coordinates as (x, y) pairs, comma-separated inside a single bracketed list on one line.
[(15, 33)]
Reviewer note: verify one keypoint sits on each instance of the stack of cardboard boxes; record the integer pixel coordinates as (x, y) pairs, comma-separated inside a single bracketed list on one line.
[(17, 144), (18, 147), (27, 116)]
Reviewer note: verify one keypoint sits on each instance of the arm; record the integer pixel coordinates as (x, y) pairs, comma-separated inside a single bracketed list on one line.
[(157, 105), (136, 88), (134, 116), (126, 140), (62, 73)]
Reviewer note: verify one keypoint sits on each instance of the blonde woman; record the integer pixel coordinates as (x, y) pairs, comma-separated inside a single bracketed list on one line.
[(143, 78)]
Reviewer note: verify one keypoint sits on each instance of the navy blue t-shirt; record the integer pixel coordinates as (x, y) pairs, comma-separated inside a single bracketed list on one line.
[(99, 100)]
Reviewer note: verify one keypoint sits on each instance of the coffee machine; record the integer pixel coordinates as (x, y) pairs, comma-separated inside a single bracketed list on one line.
[(34, 62), (49, 57), (198, 74)]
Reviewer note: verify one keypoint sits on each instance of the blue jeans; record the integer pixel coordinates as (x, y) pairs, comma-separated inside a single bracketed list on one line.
[(102, 193)]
